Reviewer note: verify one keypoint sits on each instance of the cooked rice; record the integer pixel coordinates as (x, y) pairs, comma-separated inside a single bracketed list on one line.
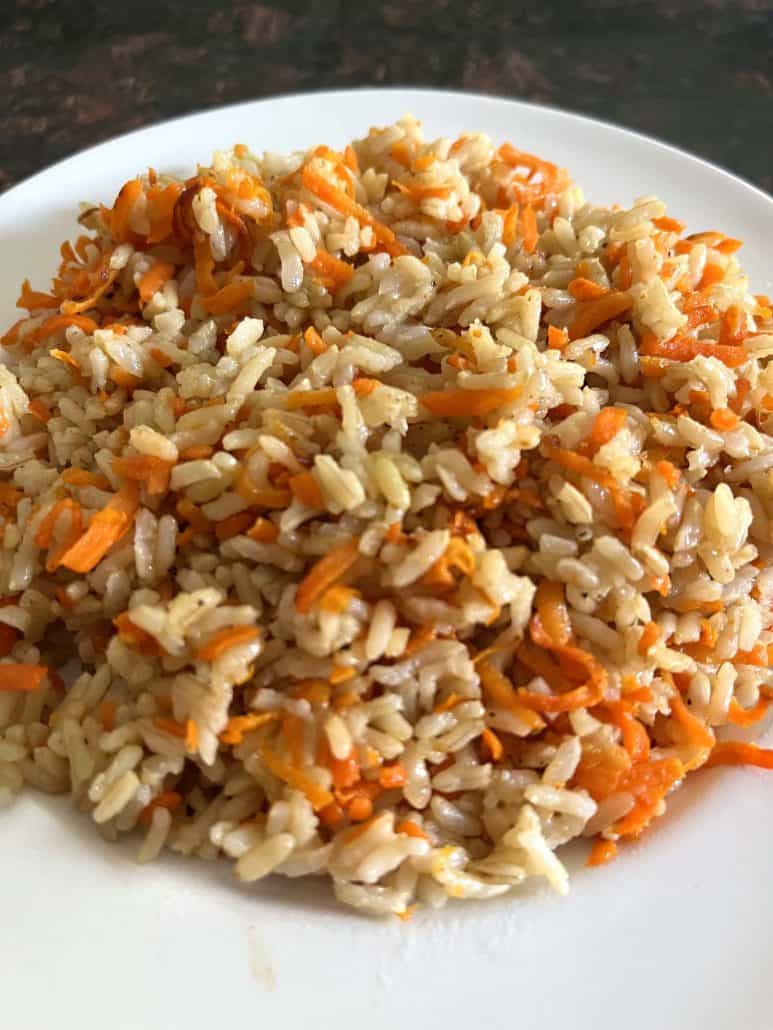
[(405, 515)]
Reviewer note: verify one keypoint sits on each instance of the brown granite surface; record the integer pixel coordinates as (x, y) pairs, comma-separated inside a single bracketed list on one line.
[(74, 72)]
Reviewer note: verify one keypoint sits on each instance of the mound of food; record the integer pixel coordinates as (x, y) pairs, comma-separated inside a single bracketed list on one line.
[(403, 516)]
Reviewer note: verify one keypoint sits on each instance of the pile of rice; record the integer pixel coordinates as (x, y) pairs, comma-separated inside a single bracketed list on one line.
[(401, 515)]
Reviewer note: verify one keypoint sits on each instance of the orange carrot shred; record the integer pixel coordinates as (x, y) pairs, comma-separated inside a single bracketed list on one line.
[(106, 528), (492, 744), (341, 201), (32, 300), (332, 271), (21, 677), (586, 289), (603, 851), (325, 573), (723, 419), (392, 776), (154, 279), (107, 713), (591, 314), (305, 489), (229, 636), (144, 468), (557, 338), (168, 799), (410, 829), (730, 752), (650, 636), (529, 229), (467, 403), (606, 426), (685, 348)]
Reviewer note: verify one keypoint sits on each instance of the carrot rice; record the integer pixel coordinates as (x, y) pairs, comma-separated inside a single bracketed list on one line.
[(402, 515)]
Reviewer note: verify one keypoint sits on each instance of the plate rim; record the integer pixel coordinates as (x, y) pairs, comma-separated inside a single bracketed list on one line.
[(94, 149)]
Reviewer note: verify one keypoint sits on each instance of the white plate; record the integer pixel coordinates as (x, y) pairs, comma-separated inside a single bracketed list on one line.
[(673, 935)]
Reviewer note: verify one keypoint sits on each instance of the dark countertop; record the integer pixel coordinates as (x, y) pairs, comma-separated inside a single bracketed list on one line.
[(74, 72)]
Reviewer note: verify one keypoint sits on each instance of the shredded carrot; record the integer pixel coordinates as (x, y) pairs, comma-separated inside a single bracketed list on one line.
[(529, 229), (160, 210), (314, 341), (8, 637), (557, 338), (586, 289), (67, 359), (592, 314), (315, 691), (669, 472), (727, 752), (123, 378), (685, 348), (11, 336), (492, 744), (188, 511), (650, 636), (586, 695), (331, 815), (106, 528), (337, 198), (168, 799), (500, 692), (392, 776), (739, 716), (713, 273), (468, 403), (692, 732), (635, 738), (107, 713), (297, 779), (450, 702), (332, 271), (135, 637), (144, 468), (581, 465), (191, 736), (21, 677), (411, 829), (124, 204), (233, 296), (606, 425), (200, 452), (45, 530), (204, 265), (324, 398), (305, 488), (667, 224), (228, 637), (603, 851), (40, 410), (234, 525), (337, 599), (649, 782), (350, 159), (554, 615), (263, 530), (169, 726), (359, 809), (325, 573), (457, 556), (723, 419), (32, 300), (154, 279), (510, 224), (238, 725)]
